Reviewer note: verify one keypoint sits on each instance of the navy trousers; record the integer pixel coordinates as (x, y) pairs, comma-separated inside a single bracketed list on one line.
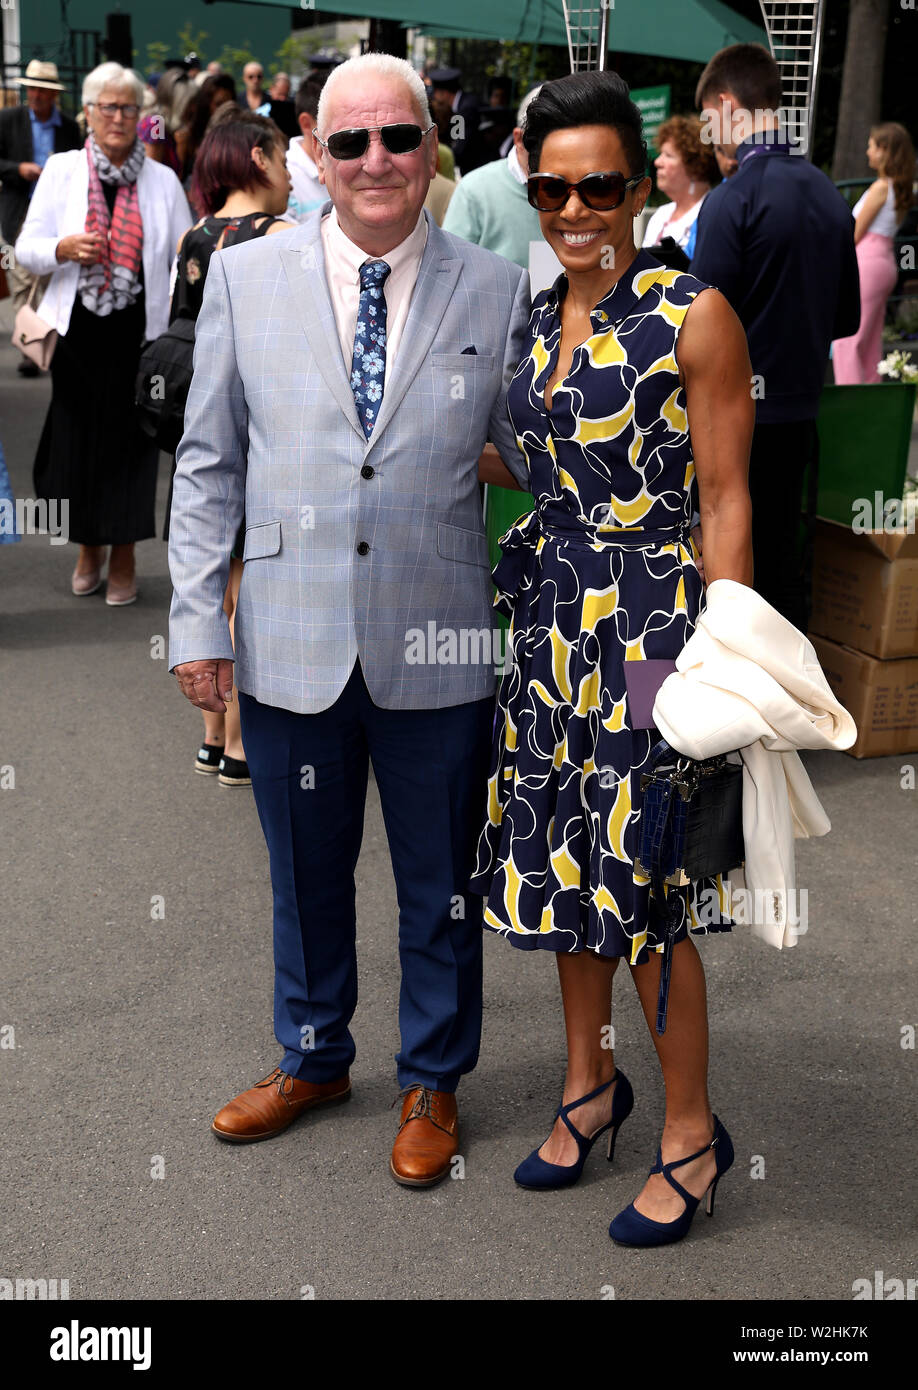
[(309, 775)]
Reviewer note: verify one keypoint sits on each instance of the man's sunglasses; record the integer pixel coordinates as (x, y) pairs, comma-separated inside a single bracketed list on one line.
[(398, 139), (601, 192)]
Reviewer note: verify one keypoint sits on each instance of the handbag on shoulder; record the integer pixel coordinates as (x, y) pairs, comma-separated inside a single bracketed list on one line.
[(164, 374), (691, 828), (34, 338)]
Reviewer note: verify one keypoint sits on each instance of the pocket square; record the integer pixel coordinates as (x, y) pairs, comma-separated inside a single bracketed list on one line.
[(469, 352)]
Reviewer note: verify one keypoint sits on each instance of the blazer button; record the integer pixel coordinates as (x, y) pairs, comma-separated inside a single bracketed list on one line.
[(363, 548), (367, 471)]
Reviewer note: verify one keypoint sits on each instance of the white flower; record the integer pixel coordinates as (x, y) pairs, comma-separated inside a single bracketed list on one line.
[(898, 366)]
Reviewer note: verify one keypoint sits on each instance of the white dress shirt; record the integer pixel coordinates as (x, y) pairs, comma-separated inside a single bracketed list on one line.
[(513, 165), (342, 273)]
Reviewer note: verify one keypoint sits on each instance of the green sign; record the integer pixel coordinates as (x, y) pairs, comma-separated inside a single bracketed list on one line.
[(653, 104)]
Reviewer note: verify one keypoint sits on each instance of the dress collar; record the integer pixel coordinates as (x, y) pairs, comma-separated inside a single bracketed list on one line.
[(643, 271)]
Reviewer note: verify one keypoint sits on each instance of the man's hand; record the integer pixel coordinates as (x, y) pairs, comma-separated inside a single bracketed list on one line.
[(29, 171), (207, 684)]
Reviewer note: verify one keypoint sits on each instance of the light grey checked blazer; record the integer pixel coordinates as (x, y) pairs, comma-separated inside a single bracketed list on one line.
[(271, 423)]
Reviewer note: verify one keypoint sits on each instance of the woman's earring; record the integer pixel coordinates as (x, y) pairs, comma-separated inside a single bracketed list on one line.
[(691, 187)]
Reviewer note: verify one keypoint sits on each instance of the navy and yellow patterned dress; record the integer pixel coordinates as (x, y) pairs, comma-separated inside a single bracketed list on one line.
[(600, 573)]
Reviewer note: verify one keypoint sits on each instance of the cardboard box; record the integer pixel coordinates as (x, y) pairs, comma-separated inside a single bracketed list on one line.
[(880, 696), (865, 589)]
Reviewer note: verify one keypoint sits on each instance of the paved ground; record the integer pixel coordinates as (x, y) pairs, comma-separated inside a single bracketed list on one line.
[(130, 1032)]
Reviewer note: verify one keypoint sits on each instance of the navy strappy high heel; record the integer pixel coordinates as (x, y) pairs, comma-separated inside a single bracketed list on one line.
[(535, 1172), (630, 1227)]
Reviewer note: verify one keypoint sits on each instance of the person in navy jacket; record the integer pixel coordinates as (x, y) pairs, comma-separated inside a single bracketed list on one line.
[(776, 239)]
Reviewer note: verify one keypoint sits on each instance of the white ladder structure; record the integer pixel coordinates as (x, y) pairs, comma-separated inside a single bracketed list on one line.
[(587, 24), (794, 29)]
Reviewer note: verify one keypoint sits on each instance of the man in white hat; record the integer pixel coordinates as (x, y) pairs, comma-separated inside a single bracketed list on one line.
[(28, 135)]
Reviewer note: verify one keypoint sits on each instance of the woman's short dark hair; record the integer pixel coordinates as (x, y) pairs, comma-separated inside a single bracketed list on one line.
[(586, 98), (224, 162)]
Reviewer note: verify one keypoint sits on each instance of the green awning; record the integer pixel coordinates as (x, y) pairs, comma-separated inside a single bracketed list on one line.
[(688, 29)]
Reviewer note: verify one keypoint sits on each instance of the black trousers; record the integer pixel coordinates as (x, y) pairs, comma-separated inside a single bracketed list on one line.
[(782, 518)]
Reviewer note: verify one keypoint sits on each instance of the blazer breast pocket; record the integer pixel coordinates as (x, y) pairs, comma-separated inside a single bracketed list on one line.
[(262, 540), (468, 547), (463, 361)]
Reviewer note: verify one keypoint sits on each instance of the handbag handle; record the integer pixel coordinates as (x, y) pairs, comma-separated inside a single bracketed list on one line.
[(665, 908)]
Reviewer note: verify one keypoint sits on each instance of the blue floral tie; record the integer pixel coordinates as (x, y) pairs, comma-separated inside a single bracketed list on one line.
[(368, 370)]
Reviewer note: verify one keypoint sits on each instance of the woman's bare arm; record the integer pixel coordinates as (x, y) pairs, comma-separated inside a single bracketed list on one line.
[(876, 197), (493, 470), (717, 375)]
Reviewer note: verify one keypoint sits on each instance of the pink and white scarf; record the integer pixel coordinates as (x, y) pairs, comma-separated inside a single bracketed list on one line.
[(114, 281)]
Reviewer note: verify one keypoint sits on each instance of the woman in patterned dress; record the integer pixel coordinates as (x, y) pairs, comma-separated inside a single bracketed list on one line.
[(633, 408)]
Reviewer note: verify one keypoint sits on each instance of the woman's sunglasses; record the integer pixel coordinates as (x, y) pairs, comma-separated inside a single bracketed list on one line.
[(398, 139), (601, 192)]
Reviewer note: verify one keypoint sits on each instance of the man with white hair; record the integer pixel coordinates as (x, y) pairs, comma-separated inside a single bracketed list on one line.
[(490, 205), (347, 376)]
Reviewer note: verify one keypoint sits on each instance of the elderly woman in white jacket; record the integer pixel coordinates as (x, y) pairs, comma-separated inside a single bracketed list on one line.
[(104, 223)]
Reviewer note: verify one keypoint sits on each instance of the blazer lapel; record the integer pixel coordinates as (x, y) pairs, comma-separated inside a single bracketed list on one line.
[(304, 264), (437, 277)]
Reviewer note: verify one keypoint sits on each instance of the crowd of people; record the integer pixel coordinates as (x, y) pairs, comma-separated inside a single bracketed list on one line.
[(352, 359)]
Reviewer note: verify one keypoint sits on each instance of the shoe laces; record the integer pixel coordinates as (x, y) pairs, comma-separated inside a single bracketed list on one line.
[(279, 1079), (426, 1106)]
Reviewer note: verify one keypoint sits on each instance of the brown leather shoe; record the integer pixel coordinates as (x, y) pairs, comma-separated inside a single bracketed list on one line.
[(427, 1137), (269, 1106)]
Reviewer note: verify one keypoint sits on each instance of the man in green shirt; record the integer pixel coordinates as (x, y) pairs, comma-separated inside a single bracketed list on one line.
[(490, 206)]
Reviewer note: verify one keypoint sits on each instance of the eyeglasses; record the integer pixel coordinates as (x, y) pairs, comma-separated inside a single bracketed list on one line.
[(110, 110), (601, 192), (402, 138)]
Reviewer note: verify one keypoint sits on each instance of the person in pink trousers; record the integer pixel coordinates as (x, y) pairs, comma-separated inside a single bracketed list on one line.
[(877, 215)]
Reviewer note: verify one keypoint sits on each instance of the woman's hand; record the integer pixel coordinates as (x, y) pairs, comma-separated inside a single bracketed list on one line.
[(83, 247)]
